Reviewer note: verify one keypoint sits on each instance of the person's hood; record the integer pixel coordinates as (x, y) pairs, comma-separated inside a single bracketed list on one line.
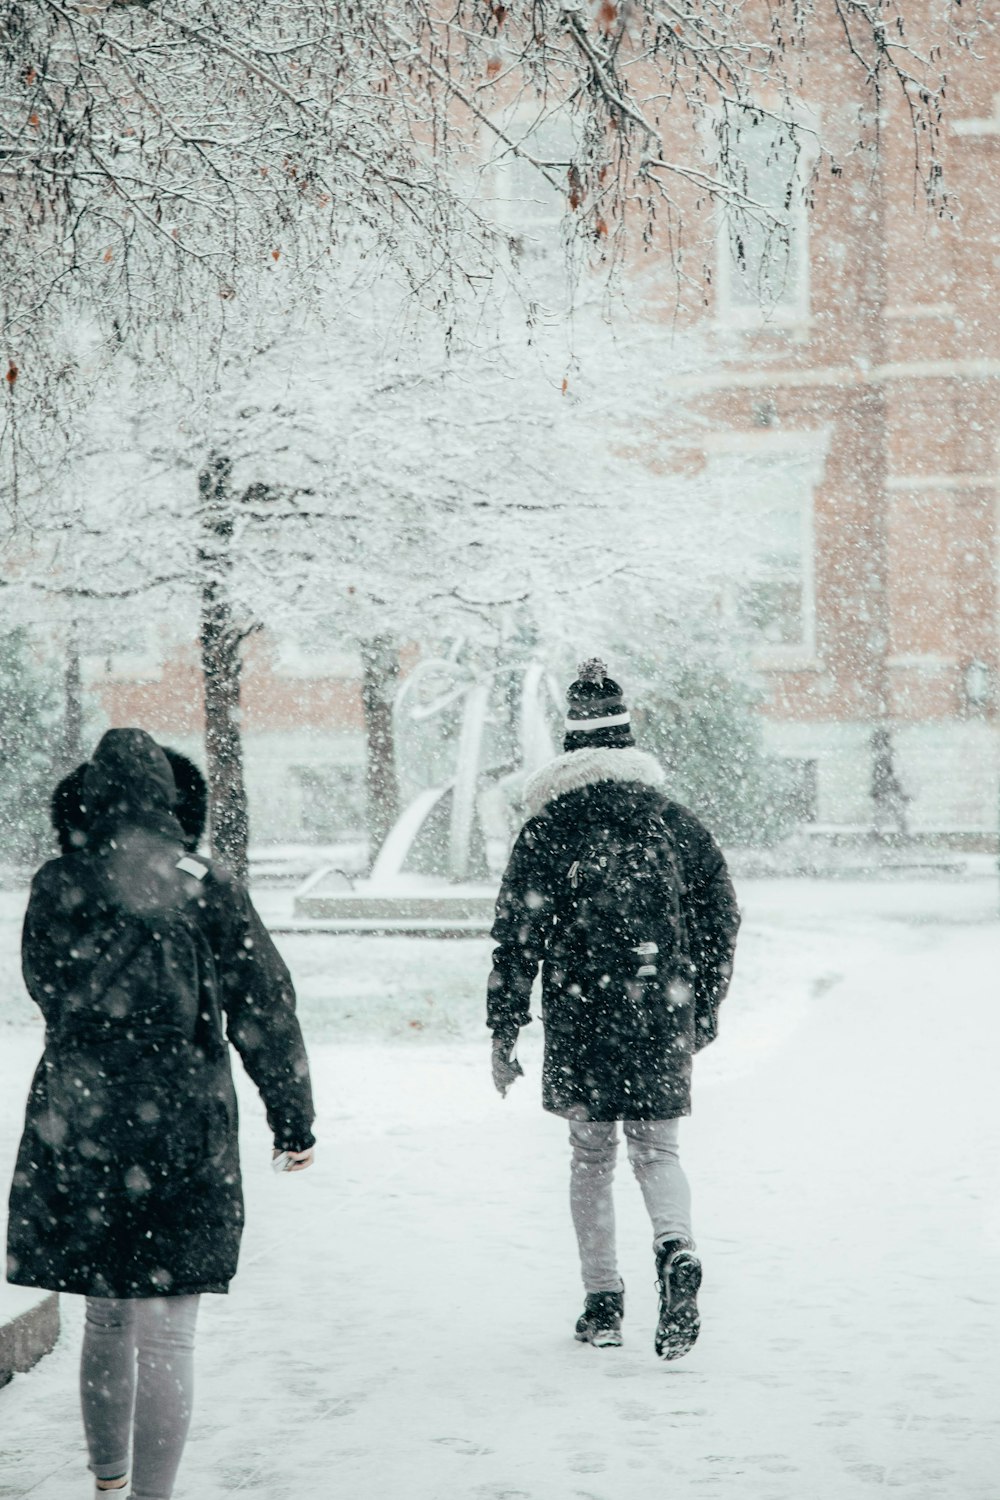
[(69, 812), (580, 768), (71, 819), (128, 774), (191, 809)]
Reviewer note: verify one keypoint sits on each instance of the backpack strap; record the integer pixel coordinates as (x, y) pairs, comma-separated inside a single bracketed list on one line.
[(121, 953), (77, 1029), (116, 957)]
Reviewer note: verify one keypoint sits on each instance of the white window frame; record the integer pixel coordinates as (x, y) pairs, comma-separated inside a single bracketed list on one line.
[(291, 657), (517, 125), (791, 314), (142, 665), (807, 449)]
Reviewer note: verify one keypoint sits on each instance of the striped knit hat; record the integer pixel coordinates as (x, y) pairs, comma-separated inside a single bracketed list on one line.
[(596, 715)]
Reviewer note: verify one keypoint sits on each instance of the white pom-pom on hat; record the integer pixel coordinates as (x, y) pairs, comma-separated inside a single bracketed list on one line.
[(595, 706), (593, 670)]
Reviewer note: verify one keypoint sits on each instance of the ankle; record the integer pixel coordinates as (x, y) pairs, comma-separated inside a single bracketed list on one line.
[(673, 1243), (668, 1251)]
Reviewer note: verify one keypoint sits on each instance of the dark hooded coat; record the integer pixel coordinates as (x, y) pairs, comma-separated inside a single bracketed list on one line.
[(617, 1045), (71, 818), (144, 960)]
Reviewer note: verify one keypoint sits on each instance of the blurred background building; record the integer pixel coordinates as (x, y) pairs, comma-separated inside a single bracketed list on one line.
[(853, 414)]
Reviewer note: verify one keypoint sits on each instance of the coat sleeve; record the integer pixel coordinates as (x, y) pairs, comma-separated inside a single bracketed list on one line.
[(47, 940), (523, 916), (713, 920), (259, 1002)]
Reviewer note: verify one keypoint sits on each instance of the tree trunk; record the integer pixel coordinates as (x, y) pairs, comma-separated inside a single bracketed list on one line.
[(221, 643), (379, 670), (72, 737)]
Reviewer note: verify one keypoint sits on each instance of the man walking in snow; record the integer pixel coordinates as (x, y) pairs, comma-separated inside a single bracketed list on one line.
[(624, 899)]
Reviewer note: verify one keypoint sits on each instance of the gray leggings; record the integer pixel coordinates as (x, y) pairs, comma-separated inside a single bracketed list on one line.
[(155, 1334), (652, 1152)]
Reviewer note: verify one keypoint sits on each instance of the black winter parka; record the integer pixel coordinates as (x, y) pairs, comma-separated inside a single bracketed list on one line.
[(615, 1048), (143, 961)]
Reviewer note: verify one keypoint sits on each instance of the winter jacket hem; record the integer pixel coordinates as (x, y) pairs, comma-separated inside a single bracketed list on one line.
[(89, 1289), (606, 1117)]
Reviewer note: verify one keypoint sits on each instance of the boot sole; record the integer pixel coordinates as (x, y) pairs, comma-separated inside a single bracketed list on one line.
[(680, 1322), (604, 1338)]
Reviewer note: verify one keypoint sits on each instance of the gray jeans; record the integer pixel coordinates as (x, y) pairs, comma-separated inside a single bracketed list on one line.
[(137, 1379), (652, 1152)]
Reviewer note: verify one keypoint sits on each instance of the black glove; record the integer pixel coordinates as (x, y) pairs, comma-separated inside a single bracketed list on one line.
[(506, 1068)]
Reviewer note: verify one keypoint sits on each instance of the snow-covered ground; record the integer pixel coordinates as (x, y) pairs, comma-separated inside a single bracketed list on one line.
[(401, 1325)]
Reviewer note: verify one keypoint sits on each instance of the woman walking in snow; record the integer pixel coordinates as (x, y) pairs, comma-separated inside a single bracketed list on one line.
[(624, 899), (144, 959)]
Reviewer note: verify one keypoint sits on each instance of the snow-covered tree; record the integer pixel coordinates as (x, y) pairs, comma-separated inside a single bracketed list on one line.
[(32, 746), (359, 473), (156, 154), (697, 712)]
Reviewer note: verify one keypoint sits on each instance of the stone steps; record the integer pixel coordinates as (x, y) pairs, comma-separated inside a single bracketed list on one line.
[(440, 911), (430, 927), (29, 1328)]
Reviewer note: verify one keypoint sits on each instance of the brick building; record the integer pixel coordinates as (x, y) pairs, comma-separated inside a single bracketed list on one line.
[(302, 723), (855, 411)]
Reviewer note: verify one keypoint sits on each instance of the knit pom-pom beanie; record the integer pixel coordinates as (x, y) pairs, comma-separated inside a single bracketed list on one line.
[(596, 713)]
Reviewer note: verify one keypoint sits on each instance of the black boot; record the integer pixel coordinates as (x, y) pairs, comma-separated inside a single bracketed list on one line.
[(678, 1276), (600, 1323)]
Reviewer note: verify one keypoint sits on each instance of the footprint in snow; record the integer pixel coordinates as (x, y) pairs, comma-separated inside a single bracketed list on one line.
[(588, 1463), (463, 1446), (868, 1473), (837, 1419), (636, 1412), (343, 1408)]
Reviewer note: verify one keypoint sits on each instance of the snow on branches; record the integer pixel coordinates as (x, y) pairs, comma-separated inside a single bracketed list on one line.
[(153, 154)]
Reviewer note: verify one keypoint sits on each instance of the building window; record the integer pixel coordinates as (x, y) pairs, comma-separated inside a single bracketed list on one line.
[(316, 650), (531, 204), (772, 601), (802, 789), (765, 501), (126, 648), (763, 243), (332, 800)]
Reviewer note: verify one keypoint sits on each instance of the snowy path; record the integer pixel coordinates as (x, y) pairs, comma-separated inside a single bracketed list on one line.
[(400, 1329)]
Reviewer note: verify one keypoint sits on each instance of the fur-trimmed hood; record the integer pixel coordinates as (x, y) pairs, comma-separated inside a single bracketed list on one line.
[(580, 768), (71, 817)]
